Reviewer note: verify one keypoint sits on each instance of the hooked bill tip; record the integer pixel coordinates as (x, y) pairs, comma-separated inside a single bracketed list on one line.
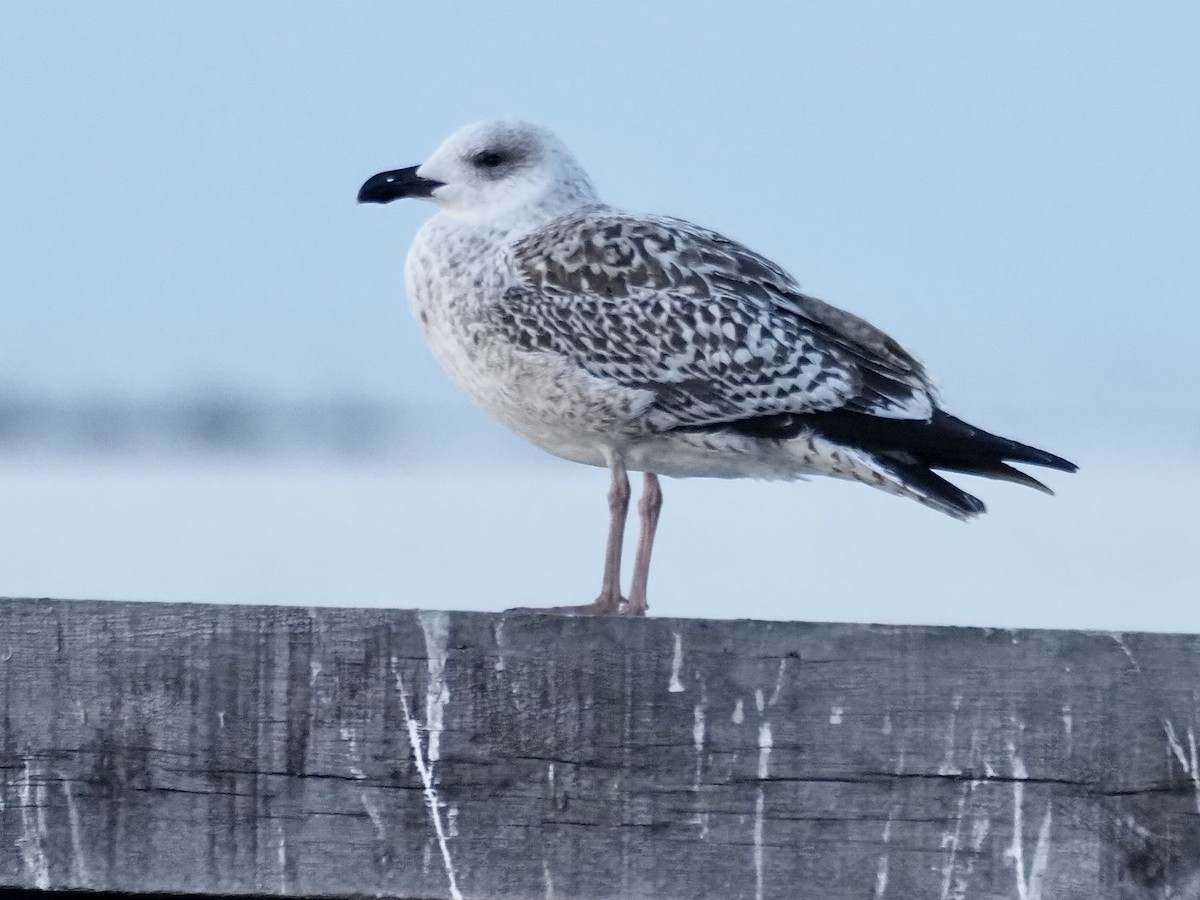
[(395, 185)]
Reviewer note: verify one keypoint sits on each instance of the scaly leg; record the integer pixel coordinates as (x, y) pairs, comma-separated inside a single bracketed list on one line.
[(648, 509), (610, 602)]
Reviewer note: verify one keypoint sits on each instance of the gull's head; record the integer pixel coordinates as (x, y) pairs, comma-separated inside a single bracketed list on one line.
[(491, 171)]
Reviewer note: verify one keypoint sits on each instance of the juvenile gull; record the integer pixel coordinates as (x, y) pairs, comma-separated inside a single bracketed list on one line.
[(652, 344)]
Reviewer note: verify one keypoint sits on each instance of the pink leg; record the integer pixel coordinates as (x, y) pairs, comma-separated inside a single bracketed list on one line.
[(610, 602), (648, 509)]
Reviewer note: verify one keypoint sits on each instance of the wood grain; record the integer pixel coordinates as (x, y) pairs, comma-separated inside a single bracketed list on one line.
[(318, 752)]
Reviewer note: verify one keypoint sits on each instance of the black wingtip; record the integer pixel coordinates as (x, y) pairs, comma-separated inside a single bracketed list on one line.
[(1035, 457), (932, 489), (912, 448), (1064, 465), (997, 470)]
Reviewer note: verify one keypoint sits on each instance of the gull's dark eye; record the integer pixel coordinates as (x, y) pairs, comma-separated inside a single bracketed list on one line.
[(490, 159)]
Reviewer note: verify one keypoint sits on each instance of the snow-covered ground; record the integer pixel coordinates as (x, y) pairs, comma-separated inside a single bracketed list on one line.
[(1116, 549)]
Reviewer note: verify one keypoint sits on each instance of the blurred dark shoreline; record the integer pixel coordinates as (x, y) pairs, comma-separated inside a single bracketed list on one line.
[(207, 424), (233, 424)]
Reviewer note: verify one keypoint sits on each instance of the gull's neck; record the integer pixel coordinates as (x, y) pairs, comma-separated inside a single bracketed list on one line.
[(519, 219)]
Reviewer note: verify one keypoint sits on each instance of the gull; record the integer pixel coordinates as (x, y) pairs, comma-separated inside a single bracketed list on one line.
[(651, 344)]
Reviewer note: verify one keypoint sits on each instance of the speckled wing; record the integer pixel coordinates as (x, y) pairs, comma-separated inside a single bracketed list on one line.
[(717, 332)]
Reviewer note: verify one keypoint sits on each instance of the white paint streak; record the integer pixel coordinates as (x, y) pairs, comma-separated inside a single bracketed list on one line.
[(759, 815), (835, 715), (765, 743), (951, 839), (1120, 639), (498, 631), (759, 702), (1041, 857), (281, 856), (350, 736), (1140, 830), (887, 725), (881, 870), (1018, 765), (314, 669), (739, 713), (1029, 885), (675, 686), (372, 808), (1016, 849), (699, 732), (82, 877), (778, 683), (979, 833), (1068, 725), (960, 863), (436, 626), (1188, 761), (452, 821), (698, 742), (948, 767), (426, 772), (547, 879), (221, 718), (33, 829), (550, 776)]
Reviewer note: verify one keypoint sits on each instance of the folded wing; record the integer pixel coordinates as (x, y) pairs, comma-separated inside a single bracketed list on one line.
[(726, 340), (716, 331)]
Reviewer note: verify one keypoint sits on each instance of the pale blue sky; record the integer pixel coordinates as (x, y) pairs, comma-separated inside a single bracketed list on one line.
[(1011, 189)]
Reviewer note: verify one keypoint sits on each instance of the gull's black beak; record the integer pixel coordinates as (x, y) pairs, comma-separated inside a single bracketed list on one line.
[(388, 186)]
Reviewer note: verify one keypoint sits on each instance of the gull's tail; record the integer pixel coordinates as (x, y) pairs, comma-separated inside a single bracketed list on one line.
[(910, 450)]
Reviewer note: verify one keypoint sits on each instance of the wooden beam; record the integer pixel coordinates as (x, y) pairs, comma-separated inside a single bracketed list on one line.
[(310, 752)]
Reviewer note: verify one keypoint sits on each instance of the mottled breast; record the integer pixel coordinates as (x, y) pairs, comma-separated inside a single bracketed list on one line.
[(455, 283)]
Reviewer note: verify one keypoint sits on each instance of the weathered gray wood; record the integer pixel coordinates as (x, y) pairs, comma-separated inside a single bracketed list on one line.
[(293, 751)]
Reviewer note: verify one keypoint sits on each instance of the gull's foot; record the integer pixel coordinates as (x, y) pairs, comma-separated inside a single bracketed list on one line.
[(632, 609), (601, 606)]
